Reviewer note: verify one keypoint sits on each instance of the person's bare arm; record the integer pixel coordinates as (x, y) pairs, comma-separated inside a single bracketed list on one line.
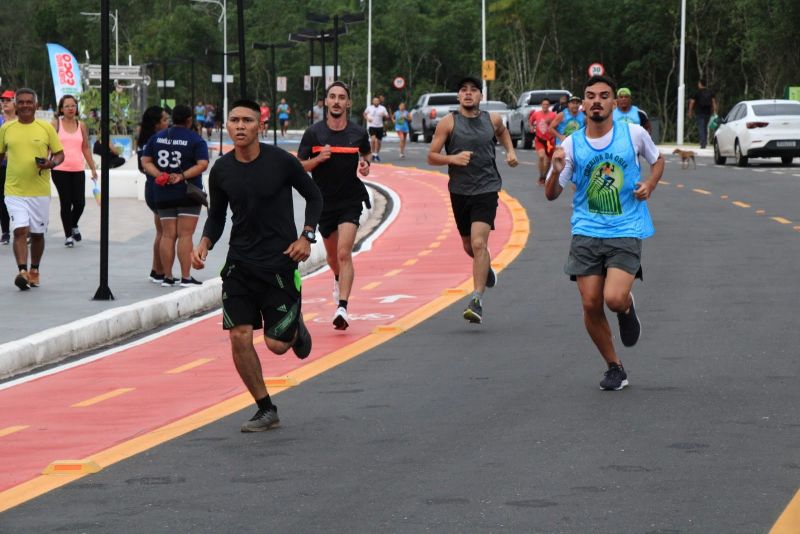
[(435, 156), (555, 122), (552, 188), (501, 132), (87, 153)]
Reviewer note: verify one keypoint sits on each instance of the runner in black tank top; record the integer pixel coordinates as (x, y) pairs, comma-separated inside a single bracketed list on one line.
[(468, 137)]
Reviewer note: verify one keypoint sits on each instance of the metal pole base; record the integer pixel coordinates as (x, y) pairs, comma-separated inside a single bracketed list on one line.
[(103, 293)]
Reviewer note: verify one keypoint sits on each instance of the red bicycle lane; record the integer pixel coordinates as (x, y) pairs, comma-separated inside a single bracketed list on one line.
[(149, 392)]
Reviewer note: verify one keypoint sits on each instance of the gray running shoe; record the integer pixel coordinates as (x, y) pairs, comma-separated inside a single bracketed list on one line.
[(474, 311), (630, 328), (614, 379), (262, 420), (302, 345), (491, 277)]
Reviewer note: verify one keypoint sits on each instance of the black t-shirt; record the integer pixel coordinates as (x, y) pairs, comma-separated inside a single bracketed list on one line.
[(703, 101), (260, 197), (337, 178)]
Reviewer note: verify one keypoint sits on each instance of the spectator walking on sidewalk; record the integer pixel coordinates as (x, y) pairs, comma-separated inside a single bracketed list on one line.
[(33, 149), (9, 113), (702, 105), (70, 177), (260, 281)]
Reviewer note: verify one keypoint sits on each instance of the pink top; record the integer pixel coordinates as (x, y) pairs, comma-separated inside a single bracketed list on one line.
[(73, 148)]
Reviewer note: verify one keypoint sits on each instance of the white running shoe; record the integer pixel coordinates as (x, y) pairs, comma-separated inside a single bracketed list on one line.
[(340, 319), (336, 291)]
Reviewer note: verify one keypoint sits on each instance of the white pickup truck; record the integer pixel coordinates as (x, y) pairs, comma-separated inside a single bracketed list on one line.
[(428, 111), (529, 101)]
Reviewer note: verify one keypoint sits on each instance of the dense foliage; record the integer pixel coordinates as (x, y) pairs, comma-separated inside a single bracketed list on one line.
[(745, 48)]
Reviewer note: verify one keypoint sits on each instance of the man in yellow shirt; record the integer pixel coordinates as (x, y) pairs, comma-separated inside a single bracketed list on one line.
[(32, 148)]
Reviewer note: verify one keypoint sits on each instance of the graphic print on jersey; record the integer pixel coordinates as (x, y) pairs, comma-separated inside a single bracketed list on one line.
[(605, 183)]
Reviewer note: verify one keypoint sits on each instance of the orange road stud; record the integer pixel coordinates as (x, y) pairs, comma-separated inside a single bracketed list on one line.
[(387, 329), (280, 381), (71, 467), (455, 291)]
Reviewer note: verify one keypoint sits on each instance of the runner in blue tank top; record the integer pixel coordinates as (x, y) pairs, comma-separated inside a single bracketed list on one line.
[(568, 121), (609, 220)]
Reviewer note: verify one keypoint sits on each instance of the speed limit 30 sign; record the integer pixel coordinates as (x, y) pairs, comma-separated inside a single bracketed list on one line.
[(596, 69)]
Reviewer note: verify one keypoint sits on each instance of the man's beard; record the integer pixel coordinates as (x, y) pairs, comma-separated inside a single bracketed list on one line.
[(597, 118)]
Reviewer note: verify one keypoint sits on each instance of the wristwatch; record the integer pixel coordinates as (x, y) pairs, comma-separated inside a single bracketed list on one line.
[(310, 236)]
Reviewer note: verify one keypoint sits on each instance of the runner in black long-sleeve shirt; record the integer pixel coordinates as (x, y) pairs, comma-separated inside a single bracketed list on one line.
[(260, 281)]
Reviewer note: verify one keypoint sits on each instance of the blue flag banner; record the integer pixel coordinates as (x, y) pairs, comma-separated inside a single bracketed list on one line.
[(66, 71)]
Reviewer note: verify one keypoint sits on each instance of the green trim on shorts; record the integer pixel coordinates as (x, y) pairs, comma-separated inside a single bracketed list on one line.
[(227, 322), (298, 279), (278, 330)]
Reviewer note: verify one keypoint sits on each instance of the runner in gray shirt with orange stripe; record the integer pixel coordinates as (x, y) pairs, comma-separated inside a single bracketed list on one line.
[(468, 137)]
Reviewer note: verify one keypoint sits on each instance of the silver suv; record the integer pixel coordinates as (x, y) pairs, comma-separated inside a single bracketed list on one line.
[(428, 111)]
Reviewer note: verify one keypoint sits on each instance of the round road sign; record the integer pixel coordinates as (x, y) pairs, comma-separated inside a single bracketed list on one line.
[(399, 82), (596, 69)]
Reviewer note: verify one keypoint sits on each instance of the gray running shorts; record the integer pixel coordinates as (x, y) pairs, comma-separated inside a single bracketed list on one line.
[(594, 255)]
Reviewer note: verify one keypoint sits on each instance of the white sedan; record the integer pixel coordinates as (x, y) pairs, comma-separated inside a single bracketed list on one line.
[(759, 129)]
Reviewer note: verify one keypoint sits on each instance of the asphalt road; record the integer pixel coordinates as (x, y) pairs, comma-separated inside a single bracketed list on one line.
[(502, 427)]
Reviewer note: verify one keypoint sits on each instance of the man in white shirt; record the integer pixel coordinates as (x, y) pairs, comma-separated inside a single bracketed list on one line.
[(376, 116)]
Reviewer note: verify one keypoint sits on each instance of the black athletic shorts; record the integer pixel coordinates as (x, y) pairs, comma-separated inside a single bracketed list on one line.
[(329, 221), (468, 209), (377, 132), (257, 298)]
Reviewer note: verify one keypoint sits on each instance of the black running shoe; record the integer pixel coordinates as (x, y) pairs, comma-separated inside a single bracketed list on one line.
[(302, 345), (155, 277), (76, 234), (22, 281), (474, 311), (168, 282), (491, 277), (262, 420), (629, 326), (190, 282), (5, 239), (614, 379)]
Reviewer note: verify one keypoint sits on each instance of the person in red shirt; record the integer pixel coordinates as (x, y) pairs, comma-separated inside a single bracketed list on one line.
[(544, 141), (264, 110)]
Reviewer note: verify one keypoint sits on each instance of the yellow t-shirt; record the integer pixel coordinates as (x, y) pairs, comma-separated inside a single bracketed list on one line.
[(22, 143)]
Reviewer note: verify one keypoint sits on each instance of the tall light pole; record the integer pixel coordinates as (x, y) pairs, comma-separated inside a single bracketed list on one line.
[(369, 52), (115, 28), (681, 82), (272, 47), (223, 17), (483, 47)]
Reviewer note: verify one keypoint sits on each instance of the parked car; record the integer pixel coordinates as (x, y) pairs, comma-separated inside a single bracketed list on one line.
[(498, 107), (529, 101), (428, 111), (759, 129)]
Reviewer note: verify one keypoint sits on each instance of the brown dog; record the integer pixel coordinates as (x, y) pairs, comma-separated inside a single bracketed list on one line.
[(685, 156)]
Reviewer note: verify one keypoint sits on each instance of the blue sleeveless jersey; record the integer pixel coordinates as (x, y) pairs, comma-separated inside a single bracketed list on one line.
[(570, 124), (603, 205), (631, 116)]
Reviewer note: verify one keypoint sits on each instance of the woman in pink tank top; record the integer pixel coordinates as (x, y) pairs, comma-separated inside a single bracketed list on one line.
[(69, 177)]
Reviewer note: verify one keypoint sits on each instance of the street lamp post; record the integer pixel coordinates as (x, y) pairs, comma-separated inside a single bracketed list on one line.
[(347, 18), (223, 85), (301, 38), (681, 83), (272, 47), (115, 28), (223, 17), (483, 46)]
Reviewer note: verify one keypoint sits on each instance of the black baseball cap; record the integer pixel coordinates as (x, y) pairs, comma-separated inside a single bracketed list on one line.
[(470, 79), (575, 98)]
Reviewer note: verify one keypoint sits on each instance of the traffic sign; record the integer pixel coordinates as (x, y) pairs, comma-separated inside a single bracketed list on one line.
[(596, 69), (488, 69), (306, 83), (399, 82), (281, 84)]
